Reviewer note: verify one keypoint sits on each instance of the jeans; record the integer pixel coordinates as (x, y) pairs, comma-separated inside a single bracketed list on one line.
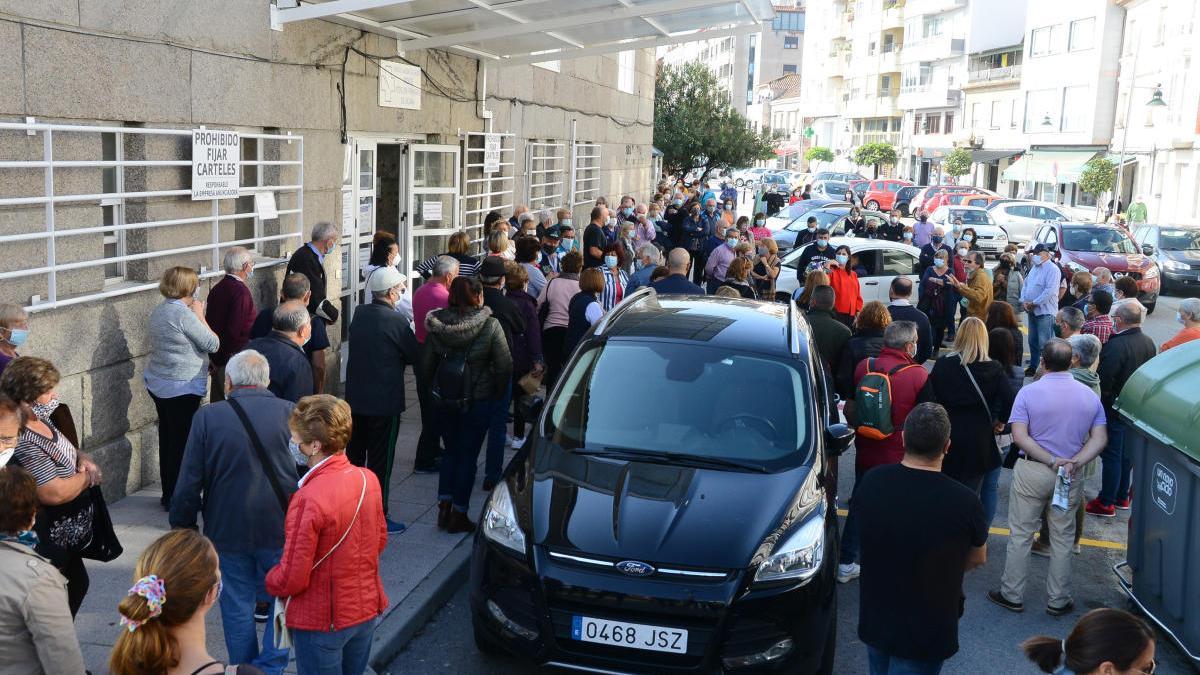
[(497, 430), (883, 663), (988, 494), (464, 436), (1041, 329), (243, 576), (1117, 469), (849, 553), (341, 652)]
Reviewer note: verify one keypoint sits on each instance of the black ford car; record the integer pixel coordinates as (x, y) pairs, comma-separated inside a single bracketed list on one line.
[(674, 510)]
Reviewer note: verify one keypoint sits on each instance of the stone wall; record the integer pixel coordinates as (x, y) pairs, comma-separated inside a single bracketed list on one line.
[(176, 64)]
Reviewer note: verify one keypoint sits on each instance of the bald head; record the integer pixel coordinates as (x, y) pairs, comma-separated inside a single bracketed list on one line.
[(677, 261)]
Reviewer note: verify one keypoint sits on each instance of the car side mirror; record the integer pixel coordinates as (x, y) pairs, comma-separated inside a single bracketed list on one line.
[(531, 406), (837, 438), (1147, 249)]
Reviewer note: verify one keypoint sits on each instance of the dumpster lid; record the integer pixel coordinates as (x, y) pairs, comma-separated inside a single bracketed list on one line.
[(1162, 398)]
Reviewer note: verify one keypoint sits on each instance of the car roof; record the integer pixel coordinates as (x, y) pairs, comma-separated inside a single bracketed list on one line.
[(728, 323), (857, 244), (962, 207)]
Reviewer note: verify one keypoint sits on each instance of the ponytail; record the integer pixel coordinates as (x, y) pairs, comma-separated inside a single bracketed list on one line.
[(1102, 635), (1045, 652)]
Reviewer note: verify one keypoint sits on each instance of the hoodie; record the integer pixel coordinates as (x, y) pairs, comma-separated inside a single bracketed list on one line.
[(1087, 378), (450, 330)]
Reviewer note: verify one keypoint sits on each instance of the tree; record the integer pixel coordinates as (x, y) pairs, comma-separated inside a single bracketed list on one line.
[(818, 154), (957, 163), (1097, 178), (696, 128), (875, 155)]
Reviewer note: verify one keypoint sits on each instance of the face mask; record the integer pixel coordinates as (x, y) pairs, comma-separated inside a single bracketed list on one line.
[(939, 263), (962, 252), (1095, 280), (728, 207), (843, 259), (911, 351), (759, 222), (628, 210), (710, 209), (44, 410), (678, 202), (5, 455), (892, 220), (566, 221), (297, 455), (1037, 260), (812, 228), (967, 237), (529, 233), (908, 235), (696, 213), (762, 250), (936, 239), (955, 228), (1178, 317), (17, 336), (611, 222), (731, 242), (610, 261)]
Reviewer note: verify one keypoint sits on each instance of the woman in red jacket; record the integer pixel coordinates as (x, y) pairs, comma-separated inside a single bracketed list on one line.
[(333, 536), (847, 296)]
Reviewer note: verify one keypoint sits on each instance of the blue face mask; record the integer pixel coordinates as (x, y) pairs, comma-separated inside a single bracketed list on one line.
[(297, 455), (935, 239), (610, 261), (566, 221), (759, 223), (843, 259), (939, 263), (17, 336), (822, 243), (731, 242)]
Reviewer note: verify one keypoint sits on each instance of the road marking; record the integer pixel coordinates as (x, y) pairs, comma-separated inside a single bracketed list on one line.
[(1005, 532)]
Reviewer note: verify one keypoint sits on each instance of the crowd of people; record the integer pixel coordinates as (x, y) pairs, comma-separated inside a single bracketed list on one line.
[(482, 333)]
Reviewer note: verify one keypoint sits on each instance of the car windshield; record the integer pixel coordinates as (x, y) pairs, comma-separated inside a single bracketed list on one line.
[(907, 192), (1179, 240), (1097, 240), (833, 187), (684, 400), (970, 217), (824, 219)]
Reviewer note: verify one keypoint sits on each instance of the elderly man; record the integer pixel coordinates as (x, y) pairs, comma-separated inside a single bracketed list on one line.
[(935, 243), (1039, 298), (1069, 321), (719, 258), (237, 464), (900, 307), (1102, 280), (283, 347), (381, 344), (676, 283), (1098, 322), (230, 313), (1125, 352), (650, 259), (515, 221), (309, 260), (1189, 316), (295, 287), (830, 334), (1058, 424)]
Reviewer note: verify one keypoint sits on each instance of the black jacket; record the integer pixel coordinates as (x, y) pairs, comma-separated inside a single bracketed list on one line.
[(381, 345), (504, 311), (830, 335), (305, 261), (973, 451), (476, 332), (861, 345), (929, 250), (924, 330), (1124, 353), (676, 284), (291, 371)]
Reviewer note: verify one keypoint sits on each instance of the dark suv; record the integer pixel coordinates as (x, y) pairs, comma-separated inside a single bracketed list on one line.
[(674, 509)]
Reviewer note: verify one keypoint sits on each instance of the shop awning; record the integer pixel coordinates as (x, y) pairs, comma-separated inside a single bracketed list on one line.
[(992, 155), (1049, 166), (515, 32), (785, 150)]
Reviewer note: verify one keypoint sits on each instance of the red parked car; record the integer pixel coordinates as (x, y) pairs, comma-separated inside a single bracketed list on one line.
[(924, 198), (976, 197), (1082, 247), (881, 194)]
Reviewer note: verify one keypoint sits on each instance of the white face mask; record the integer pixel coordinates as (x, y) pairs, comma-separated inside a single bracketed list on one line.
[(5, 455)]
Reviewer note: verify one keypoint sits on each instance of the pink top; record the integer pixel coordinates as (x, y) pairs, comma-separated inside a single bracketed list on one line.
[(430, 296), (558, 292)]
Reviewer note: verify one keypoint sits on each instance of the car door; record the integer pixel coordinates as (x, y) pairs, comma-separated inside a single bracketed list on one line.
[(896, 262)]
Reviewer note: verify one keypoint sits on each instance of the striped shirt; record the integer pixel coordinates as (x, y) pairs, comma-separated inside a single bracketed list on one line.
[(46, 458), (615, 288), (467, 266)]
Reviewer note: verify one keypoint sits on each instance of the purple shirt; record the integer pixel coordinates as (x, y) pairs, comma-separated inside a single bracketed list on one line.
[(922, 233), (5, 359), (1060, 413), (430, 296)]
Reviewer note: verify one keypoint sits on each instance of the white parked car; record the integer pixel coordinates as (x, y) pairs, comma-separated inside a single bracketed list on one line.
[(992, 237), (881, 260), (744, 176), (1022, 218)]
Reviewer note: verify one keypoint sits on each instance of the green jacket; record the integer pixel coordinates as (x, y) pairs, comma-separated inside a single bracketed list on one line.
[(1087, 378), (449, 330), (1137, 213), (830, 335)]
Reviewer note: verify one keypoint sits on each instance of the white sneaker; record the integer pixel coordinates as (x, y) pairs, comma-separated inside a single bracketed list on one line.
[(848, 573), (516, 443)]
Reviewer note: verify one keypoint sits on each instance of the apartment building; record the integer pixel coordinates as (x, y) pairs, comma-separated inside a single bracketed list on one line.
[(993, 110), (1068, 96), (1160, 142)]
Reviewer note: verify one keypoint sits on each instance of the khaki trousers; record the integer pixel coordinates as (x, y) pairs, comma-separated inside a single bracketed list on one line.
[(1029, 497)]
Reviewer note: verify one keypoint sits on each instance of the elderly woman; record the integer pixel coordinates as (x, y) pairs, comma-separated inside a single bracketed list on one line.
[(176, 372), (644, 232), (334, 524), (62, 473), (528, 253), (627, 246), (457, 247), (14, 331), (1189, 317), (554, 311), (737, 277), (39, 636), (766, 268), (385, 251), (616, 279), (585, 309), (527, 346), (865, 341)]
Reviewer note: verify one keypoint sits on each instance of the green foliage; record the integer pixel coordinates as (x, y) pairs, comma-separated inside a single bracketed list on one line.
[(957, 163), (1098, 176), (874, 155), (695, 127), (818, 154)]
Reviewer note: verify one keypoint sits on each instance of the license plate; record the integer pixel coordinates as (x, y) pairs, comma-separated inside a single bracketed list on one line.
[(631, 635)]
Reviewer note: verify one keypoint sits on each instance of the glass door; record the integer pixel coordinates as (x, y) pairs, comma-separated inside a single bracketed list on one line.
[(433, 190), (357, 224)]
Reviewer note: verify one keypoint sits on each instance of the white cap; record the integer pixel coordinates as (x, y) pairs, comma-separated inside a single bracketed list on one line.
[(383, 279)]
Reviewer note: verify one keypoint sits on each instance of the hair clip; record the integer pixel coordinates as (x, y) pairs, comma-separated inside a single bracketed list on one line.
[(155, 592)]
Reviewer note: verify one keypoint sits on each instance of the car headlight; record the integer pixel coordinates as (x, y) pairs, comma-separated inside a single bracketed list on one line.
[(1151, 272), (1003, 236), (799, 557), (500, 520), (1174, 265), (1076, 267)]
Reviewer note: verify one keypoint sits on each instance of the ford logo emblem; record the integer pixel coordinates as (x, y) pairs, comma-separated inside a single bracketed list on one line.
[(635, 568)]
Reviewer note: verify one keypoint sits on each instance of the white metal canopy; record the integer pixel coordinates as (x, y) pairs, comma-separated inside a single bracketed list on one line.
[(514, 32)]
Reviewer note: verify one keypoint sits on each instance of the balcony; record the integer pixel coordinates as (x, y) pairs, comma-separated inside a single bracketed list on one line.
[(889, 137), (893, 17), (995, 75), (889, 60), (919, 7), (872, 105), (932, 48)]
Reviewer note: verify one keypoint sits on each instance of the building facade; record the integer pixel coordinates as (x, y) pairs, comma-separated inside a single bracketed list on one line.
[(993, 109), (98, 104)]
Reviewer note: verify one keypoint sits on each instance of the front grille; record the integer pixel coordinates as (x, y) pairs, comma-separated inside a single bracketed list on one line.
[(700, 636), (518, 606), (608, 565), (1136, 276)]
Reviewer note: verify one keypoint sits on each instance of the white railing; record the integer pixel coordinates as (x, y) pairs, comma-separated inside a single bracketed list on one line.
[(994, 74), (585, 173), (62, 196), (545, 174), (483, 192)]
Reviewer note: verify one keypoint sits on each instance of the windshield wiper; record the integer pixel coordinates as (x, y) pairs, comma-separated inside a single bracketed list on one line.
[(666, 457)]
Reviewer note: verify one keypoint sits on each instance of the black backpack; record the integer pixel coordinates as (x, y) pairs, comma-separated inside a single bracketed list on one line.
[(453, 387)]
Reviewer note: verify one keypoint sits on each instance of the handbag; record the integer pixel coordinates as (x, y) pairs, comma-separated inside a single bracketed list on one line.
[(983, 399), (283, 636), (261, 453), (104, 546), (531, 381)]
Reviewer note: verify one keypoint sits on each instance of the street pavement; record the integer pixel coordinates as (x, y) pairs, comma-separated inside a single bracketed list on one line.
[(988, 635)]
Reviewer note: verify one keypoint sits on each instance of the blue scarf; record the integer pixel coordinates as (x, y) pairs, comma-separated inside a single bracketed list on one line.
[(27, 537)]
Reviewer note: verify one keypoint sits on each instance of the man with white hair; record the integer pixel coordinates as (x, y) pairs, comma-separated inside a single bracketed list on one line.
[(230, 313), (309, 260), (382, 343), (649, 258), (1189, 316), (283, 347), (237, 457)]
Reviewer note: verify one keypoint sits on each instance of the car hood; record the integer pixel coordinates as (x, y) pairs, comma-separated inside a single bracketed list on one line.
[(657, 513), (1190, 256), (1116, 262)]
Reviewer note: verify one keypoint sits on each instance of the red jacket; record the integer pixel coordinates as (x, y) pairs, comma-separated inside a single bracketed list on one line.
[(847, 297), (346, 589), (906, 385), (230, 313)]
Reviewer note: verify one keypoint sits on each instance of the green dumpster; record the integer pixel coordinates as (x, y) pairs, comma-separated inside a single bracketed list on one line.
[(1161, 403)]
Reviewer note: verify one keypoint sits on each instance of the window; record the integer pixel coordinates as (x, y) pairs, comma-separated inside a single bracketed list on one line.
[(1045, 40), (997, 112), (899, 262), (789, 68), (1040, 103), (791, 42), (976, 120), (949, 123), (916, 124), (931, 26), (787, 20), (113, 212), (555, 66), (1075, 106), (626, 71), (933, 124), (1012, 114), (1082, 34)]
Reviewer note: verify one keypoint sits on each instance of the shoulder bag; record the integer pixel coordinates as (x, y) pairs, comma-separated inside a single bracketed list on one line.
[(283, 636), (261, 453), (1010, 459)]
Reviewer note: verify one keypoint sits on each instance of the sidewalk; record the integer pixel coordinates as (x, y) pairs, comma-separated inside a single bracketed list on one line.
[(420, 553)]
